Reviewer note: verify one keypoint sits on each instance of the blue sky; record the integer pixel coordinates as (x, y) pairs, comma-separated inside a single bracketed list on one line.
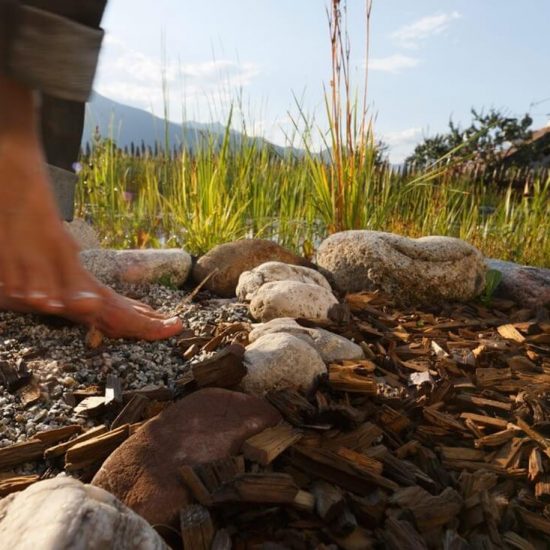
[(430, 60)]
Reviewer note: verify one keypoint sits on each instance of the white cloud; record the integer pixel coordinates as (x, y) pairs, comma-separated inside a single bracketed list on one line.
[(393, 63), (111, 39), (410, 35), (401, 143), (130, 92), (130, 76), (408, 136)]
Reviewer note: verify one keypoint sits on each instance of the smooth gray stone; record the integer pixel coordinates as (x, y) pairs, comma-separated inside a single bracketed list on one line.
[(526, 285), (142, 266), (63, 186)]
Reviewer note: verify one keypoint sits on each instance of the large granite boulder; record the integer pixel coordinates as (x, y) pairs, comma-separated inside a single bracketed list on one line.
[(63, 513), (277, 361), (331, 347), (426, 270), (293, 299), (207, 425), (251, 281), (229, 260), (143, 266), (526, 285)]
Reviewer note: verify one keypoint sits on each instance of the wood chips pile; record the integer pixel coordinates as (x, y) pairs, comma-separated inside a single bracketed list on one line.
[(439, 439)]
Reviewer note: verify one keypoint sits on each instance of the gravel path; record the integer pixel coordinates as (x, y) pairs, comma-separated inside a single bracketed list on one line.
[(56, 354)]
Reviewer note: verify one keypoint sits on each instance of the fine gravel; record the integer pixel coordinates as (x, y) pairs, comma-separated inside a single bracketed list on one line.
[(56, 353)]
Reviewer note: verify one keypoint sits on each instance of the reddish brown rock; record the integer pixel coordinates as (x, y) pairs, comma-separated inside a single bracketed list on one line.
[(207, 425), (232, 259)]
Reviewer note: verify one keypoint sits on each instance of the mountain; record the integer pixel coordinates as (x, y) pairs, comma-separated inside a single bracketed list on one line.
[(129, 124)]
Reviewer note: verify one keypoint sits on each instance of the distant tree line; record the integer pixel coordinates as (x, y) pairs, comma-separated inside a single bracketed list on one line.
[(134, 150)]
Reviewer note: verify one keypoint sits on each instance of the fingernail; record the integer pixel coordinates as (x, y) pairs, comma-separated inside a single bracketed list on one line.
[(55, 304), (17, 295), (85, 295), (171, 322), (37, 295)]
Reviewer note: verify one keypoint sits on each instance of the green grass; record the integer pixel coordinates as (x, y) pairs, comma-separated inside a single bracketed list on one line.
[(224, 194)]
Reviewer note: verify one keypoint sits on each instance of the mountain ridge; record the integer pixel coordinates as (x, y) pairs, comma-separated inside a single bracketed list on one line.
[(126, 125)]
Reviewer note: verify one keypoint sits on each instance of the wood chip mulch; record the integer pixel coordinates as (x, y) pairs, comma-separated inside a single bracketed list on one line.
[(440, 438)]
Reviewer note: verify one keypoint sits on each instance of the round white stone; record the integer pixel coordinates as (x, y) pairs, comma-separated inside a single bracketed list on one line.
[(331, 347), (277, 361), (251, 281), (64, 513), (292, 299)]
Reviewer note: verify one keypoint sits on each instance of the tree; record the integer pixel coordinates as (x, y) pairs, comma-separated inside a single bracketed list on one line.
[(429, 151), (484, 141), (381, 154)]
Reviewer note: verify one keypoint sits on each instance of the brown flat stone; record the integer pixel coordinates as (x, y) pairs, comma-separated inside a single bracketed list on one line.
[(207, 425), (232, 259)]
